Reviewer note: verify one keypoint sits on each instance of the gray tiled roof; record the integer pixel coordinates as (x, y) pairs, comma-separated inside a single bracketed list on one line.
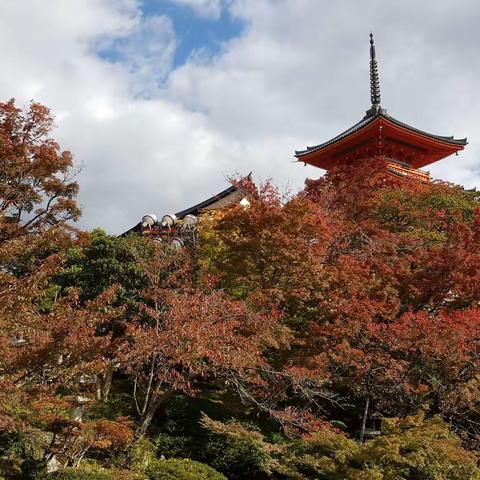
[(230, 195)]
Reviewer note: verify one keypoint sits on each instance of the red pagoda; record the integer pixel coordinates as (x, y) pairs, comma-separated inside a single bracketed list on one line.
[(405, 149)]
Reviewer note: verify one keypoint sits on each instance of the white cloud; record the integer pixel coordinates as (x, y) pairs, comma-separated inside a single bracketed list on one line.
[(301, 72), (298, 75), (147, 51)]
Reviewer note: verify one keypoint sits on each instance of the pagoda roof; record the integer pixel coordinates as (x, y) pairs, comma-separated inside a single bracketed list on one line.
[(369, 119), (378, 134)]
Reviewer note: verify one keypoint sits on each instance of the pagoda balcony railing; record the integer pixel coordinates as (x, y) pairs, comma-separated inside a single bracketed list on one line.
[(406, 171)]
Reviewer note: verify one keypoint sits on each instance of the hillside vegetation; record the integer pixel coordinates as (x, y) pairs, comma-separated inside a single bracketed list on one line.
[(331, 334)]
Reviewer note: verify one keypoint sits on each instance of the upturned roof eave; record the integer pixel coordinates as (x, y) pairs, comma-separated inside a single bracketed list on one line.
[(367, 120), (450, 139), (355, 128)]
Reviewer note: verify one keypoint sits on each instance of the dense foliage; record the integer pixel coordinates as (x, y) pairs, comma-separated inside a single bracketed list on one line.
[(333, 334)]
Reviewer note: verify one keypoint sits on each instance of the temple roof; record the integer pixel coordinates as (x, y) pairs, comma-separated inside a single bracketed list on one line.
[(225, 198), (230, 196), (379, 134), (368, 119)]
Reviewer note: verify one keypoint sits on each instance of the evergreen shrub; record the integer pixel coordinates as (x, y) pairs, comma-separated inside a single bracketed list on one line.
[(81, 474), (182, 469), (93, 474)]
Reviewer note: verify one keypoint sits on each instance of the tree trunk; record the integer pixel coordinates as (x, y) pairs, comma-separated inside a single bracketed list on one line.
[(364, 419), (98, 387), (103, 383), (107, 381), (155, 401)]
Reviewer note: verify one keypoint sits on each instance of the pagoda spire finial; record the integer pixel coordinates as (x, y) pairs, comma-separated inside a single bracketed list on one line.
[(374, 78)]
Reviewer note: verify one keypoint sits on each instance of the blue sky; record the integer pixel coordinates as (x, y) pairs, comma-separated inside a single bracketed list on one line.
[(194, 31)]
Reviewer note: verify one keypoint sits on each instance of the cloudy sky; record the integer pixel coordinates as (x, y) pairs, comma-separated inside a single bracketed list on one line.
[(161, 100)]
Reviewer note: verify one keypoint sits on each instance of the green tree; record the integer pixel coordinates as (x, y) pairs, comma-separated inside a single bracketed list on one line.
[(104, 261)]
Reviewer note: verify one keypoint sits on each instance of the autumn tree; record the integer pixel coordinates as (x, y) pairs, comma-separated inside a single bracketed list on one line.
[(49, 359), (188, 335), (273, 251), (363, 263), (52, 349), (407, 265), (36, 191)]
